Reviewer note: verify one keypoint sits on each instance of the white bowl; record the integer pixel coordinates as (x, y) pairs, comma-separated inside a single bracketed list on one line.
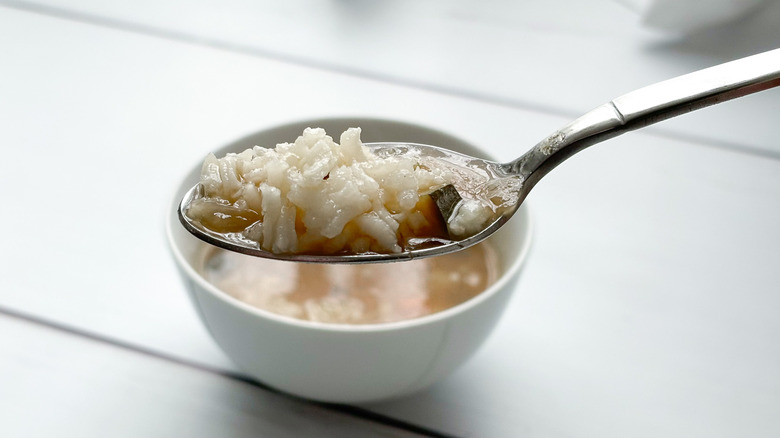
[(348, 363)]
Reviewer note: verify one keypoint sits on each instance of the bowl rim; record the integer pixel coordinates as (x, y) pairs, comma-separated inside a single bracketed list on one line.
[(523, 214)]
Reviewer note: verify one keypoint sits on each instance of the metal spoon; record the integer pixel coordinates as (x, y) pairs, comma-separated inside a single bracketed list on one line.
[(631, 111)]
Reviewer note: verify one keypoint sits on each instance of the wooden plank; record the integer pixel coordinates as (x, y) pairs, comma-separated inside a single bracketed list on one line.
[(58, 384), (562, 57)]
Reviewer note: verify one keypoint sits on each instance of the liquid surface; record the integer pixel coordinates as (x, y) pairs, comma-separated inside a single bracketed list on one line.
[(353, 294)]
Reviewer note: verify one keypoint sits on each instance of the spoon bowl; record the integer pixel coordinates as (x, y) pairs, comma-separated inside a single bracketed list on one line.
[(381, 149), (631, 111)]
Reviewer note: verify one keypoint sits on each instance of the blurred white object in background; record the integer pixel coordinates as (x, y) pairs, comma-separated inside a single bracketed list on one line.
[(687, 16)]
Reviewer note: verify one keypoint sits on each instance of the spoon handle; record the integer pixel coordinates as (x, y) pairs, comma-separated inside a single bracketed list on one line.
[(647, 106)]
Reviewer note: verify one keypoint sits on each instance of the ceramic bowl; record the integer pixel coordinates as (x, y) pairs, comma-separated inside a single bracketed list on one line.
[(348, 363)]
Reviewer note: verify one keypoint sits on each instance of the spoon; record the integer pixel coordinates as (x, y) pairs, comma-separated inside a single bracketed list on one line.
[(631, 111)]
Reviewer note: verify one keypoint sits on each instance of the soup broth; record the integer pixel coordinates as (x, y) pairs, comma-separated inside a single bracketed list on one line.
[(353, 294)]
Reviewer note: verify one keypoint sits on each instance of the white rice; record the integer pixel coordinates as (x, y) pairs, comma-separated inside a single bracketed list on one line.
[(319, 195)]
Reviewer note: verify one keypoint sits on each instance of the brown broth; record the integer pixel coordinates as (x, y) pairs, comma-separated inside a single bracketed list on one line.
[(353, 294)]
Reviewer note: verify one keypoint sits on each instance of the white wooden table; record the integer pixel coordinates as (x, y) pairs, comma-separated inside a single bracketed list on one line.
[(649, 306)]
